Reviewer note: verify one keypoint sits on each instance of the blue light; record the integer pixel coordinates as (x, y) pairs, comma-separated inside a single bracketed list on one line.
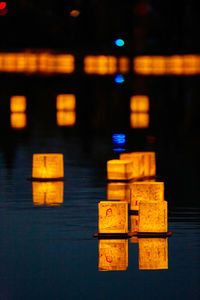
[(119, 78), (119, 42), (119, 139), (119, 149)]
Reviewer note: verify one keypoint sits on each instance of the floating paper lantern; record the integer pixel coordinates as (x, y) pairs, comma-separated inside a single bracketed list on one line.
[(153, 253), (18, 120), (118, 169), (48, 166), (66, 102), (139, 103), (175, 65), (113, 255), (101, 64), (21, 62), (118, 191), (142, 65), (64, 63), (113, 217), (159, 65), (48, 193), (153, 217), (10, 62), (146, 192), (135, 158), (123, 65), (18, 104), (66, 118), (139, 120), (190, 64), (31, 62)]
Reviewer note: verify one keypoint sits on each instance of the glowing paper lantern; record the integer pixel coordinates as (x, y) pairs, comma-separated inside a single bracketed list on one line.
[(48, 193), (118, 169), (66, 102), (48, 166), (123, 65), (18, 104), (175, 65), (135, 158), (113, 217), (146, 192), (31, 62), (118, 191), (66, 118), (142, 65), (139, 103), (74, 13), (21, 62), (153, 217), (101, 64), (153, 253), (190, 64), (139, 120), (113, 255), (18, 120), (159, 65), (64, 63), (134, 223)]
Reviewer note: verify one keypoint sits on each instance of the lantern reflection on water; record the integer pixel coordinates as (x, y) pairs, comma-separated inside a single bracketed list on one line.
[(66, 118), (113, 217), (139, 103), (66, 102), (48, 193), (153, 253), (48, 166), (18, 104), (146, 192), (153, 217), (18, 120), (118, 169), (118, 191), (139, 120), (113, 255)]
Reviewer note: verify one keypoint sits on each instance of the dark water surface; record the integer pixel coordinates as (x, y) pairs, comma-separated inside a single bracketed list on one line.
[(48, 252)]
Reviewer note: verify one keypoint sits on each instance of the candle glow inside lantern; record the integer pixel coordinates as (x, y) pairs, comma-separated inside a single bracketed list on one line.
[(113, 255), (48, 193), (18, 120), (66, 102), (18, 104), (146, 192), (153, 217), (134, 221), (48, 166), (124, 64), (118, 169), (66, 118), (118, 191), (139, 120), (139, 103), (113, 217), (153, 253)]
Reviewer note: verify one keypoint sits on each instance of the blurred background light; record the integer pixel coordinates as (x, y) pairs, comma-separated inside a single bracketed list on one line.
[(119, 42), (74, 13), (119, 149), (119, 139), (2, 5), (119, 78)]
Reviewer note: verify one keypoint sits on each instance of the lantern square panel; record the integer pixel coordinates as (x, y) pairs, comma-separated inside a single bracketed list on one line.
[(118, 191), (66, 118), (18, 120), (48, 193), (118, 169), (66, 102), (139, 103), (135, 158), (139, 120), (18, 104)]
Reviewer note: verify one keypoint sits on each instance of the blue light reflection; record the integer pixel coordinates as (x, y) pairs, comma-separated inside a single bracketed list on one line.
[(119, 139)]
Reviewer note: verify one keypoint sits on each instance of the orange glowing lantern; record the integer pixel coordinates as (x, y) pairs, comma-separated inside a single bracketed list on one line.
[(134, 222), (118, 169), (190, 64), (153, 217), (10, 62), (139, 103), (18, 120), (124, 65), (118, 191), (113, 255), (135, 158), (139, 120), (64, 63), (66, 118), (66, 102), (101, 64), (1, 62), (48, 166), (153, 253), (31, 62), (113, 217), (146, 192), (142, 65), (21, 62), (18, 104), (48, 193), (159, 65), (74, 13), (175, 65), (147, 164)]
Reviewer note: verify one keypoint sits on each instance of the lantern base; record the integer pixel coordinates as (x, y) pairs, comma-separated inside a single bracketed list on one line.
[(46, 179), (111, 235), (150, 234)]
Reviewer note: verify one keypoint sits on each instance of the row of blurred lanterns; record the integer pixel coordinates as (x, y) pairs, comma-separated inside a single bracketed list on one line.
[(66, 111), (51, 63)]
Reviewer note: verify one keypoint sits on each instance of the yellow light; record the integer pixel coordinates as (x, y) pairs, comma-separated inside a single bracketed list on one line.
[(134, 223), (74, 13), (139, 103), (31, 63), (153, 253), (66, 118), (118, 191), (48, 193), (10, 62), (146, 192), (159, 65), (124, 65), (191, 64), (113, 255), (175, 65), (139, 120), (18, 120), (18, 104), (66, 102), (20, 62), (64, 63), (113, 217), (135, 158), (153, 217), (48, 166), (119, 169), (100, 64), (143, 65)]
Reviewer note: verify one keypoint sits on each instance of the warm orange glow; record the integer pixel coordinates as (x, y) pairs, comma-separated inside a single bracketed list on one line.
[(64, 63), (153, 253), (48, 166), (118, 169), (143, 65), (101, 64), (74, 13), (113, 217), (9, 63), (124, 65), (45, 63), (18, 104), (113, 255), (139, 120), (158, 65), (66, 102), (153, 217), (191, 64), (31, 63), (48, 193), (175, 65), (146, 192), (134, 222), (66, 118), (139, 103), (18, 120), (118, 191), (135, 158)]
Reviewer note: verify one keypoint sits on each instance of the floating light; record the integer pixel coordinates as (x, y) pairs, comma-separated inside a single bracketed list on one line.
[(153, 253), (119, 169), (66, 102), (113, 255), (118, 191), (119, 139), (139, 103), (66, 118), (18, 120), (64, 63), (159, 65), (139, 120), (135, 158), (48, 193), (113, 217), (119, 78), (175, 65), (123, 64), (153, 217), (143, 65), (18, 104), (147, 163), (74, 13), (100, 64), (48, 166), (146, 192), (119, 42)]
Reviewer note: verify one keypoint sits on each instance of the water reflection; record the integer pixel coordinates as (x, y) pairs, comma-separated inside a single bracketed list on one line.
[(48, 193)]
